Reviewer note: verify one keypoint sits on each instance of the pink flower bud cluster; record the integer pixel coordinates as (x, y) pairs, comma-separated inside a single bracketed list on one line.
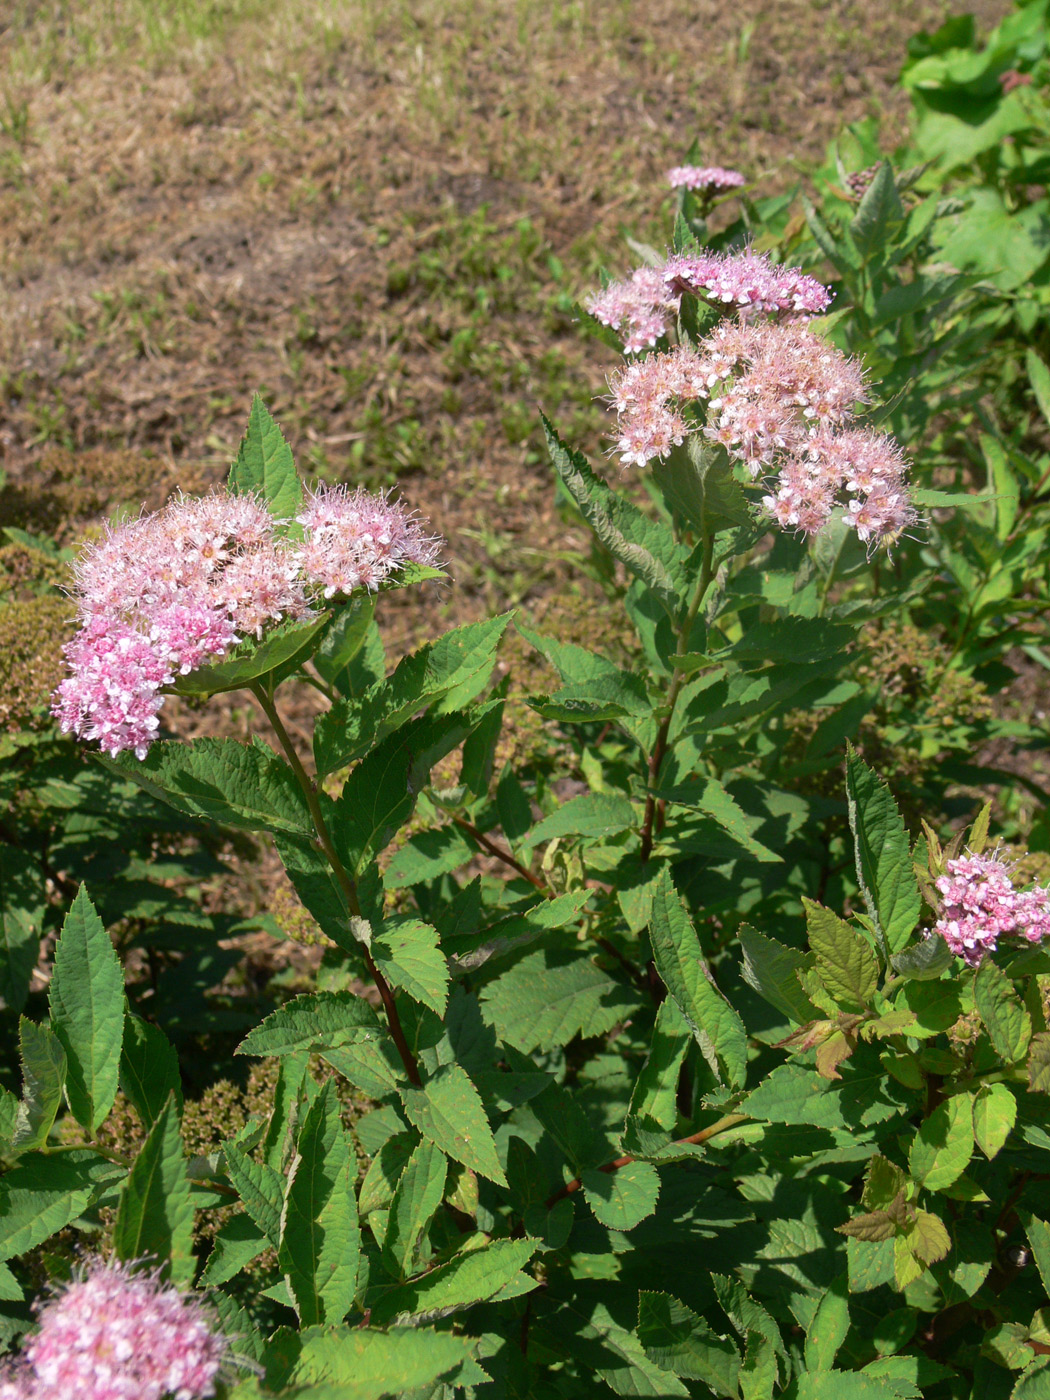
[(780, 402), (162, 595), (638, 310), (981, 906), (117, 1334), (712, 179)]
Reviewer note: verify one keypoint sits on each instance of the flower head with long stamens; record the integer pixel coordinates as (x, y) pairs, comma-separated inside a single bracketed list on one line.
[(710, 179), (981, 906)]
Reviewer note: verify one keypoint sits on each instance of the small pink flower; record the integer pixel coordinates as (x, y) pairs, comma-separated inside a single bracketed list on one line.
[(981, 905), (712, 179), (116, 1333), (639, 310), (749, 283), (356, 540)]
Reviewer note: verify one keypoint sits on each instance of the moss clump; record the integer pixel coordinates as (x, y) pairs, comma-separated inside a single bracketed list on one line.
[(31, 663)]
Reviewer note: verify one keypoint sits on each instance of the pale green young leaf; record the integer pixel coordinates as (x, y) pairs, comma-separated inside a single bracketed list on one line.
[(677, 1340), (155, 1213), (149, 1069), (265, 466), (622, 1199), (994, 1115), (407, 952), (943, 1145), (716, 1027), (469, 1277), (23, 901), (884, 864), (416, 1198), (43, 1079), (87, 1011), (449, 1113), (1008, 1024), (846, 963), (315, 1022), (772, 970), (221, 780), (360, 1363), (320, 1240)]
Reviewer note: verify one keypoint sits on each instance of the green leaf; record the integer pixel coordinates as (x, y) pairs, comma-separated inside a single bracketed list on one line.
[(841, 1385), (358, 1363), (1008, 1024), (446, 674), (772, 970), (380, 794), (282, 646), (27, 1218), (427, 856), (625, 1368), (944, 1144), (1033, 1384), (315, 1021), (87, 1011), (236, 1244), (449, 1113), (371, 1066), (470, 1277), (221, 780), (550, 996), (320, 1241), (260, 1188), (795, 1093), (346, 636), (884, 864), (1038, 1065), (925, 960), (710, 797), (828, 1327), (417, 1196), (716, 1027), (265, 465), (758, 1371), (622, 1199), (155, 1214), (406, 951), (846, 963), (43, 1079), (1038, 1232), (149, 1069), (994, 1115), (677, 1340), (23, 902), (594, 814), (879, 209), (654, 1096), (646, 547)]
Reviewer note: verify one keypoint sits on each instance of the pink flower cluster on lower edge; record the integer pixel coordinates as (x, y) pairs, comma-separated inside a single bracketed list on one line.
[(712, 179), (162, 595), (981, 906), (118, 1334), (780, 401)]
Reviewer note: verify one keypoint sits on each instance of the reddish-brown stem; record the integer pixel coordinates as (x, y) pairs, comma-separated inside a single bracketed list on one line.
[(309, 790), (704, 1135)]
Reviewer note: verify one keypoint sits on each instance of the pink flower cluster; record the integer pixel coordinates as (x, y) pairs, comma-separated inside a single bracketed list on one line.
[(641, 309), (712, 179), (780, 401), (164, 594), (749, 282), (638, 310), (981, 906), (118, 1334)]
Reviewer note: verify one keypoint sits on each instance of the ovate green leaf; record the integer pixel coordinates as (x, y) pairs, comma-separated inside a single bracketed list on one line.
[(154, 1213), (846, 962), (265, 466), (944, 1144), (994, 1114), (448, 1112), (1008, 1024), (87, 1011)]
